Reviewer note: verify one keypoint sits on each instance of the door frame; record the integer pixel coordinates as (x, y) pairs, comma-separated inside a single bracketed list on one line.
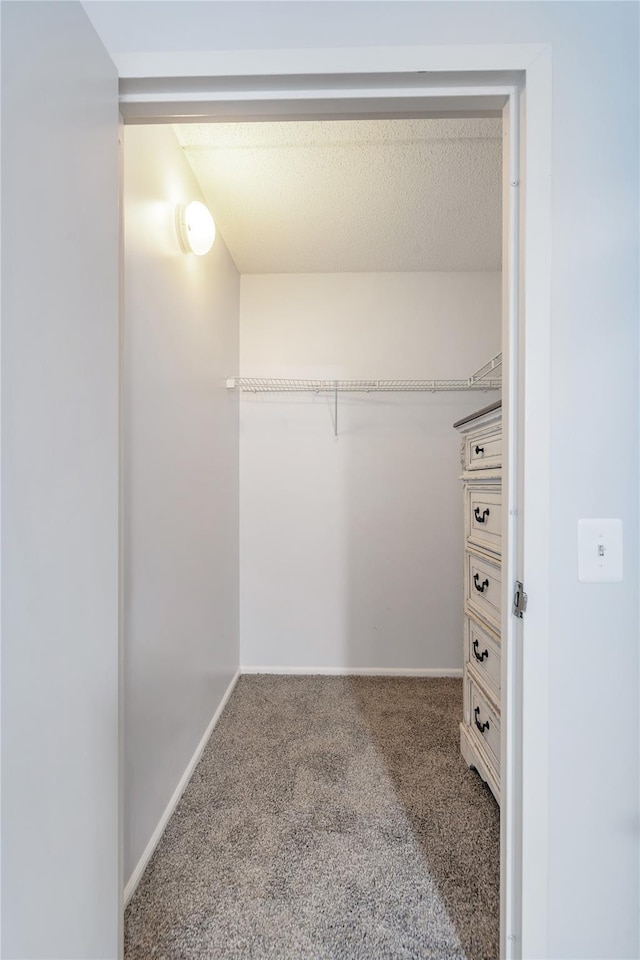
[(442, 81)]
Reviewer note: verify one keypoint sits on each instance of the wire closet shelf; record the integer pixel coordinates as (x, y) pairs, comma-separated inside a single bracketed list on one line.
[(486, 378)]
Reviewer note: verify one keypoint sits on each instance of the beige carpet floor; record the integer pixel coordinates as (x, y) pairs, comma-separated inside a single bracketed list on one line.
[(330, 818)]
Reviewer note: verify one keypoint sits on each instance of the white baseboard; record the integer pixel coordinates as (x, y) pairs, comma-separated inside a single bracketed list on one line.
[(134, 879), (358, 671)]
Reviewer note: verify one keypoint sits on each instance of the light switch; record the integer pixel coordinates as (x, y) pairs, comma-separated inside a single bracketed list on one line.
[(600, 551)]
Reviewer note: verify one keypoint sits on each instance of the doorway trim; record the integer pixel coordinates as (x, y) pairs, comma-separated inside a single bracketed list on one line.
[(436, 81)]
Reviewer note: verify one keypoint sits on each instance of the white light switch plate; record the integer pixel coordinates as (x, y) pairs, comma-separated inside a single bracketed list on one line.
[(600, 551)]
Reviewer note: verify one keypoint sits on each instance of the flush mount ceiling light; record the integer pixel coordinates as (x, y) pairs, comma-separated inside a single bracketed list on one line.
[(196, 229)]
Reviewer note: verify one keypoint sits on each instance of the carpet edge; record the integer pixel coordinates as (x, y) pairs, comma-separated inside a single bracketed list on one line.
[(356, 671)]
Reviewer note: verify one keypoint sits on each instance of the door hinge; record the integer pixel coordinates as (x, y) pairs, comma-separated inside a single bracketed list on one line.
[(519, 600)]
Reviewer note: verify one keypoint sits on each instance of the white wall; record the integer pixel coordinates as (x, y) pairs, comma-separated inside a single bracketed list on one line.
[(181, 482), (60, 343), (351, 550)]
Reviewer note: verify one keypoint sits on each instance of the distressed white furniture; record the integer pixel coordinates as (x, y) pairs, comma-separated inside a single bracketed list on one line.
[(481, 458)]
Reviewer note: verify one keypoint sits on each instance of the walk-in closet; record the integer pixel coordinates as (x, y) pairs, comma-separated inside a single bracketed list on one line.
[(313, 463)]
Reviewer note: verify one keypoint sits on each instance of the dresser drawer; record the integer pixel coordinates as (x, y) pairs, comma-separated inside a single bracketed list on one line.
[(483, 588), (484, 724), (483, 516), (483, 448), (483, 655)]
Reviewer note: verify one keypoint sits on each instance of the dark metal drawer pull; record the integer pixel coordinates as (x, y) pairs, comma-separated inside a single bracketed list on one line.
[(483, 517), (479, 656), (481, 726), (480, 587), (479, 450)]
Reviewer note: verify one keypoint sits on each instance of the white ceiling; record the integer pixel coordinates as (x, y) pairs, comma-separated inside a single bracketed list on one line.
[(353, 195)]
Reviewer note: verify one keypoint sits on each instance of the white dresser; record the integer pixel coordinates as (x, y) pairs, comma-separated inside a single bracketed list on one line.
[(481, 458)]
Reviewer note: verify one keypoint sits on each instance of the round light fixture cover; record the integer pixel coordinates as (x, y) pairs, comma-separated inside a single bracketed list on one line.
[(196, 229)]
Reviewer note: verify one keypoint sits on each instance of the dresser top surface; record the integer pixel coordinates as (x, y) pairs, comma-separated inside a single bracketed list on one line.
[(478, 413)]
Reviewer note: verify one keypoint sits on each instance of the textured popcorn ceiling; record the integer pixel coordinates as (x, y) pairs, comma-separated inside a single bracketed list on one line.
[(353, 195)]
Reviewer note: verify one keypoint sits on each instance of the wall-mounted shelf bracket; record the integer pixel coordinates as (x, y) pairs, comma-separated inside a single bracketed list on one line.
[(487, 372)]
